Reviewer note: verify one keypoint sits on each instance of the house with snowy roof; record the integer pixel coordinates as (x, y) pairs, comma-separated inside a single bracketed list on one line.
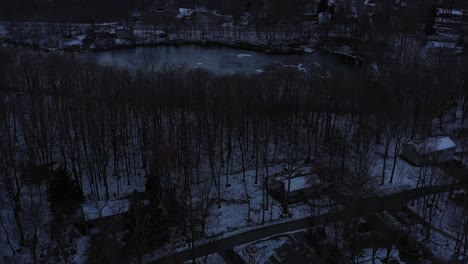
[(429, 151), (300, 187), (100, 214), (185, 13), (448, 23)]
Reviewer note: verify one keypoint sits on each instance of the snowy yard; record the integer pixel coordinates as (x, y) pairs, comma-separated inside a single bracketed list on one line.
[(447, 215), (261, 251), (442, 247), (447, 224), (380, 254), (233, 214), (406, 175)]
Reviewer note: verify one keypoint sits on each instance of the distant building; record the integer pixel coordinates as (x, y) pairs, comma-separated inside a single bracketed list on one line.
[(125, 35), (185, 13), (309, 16), (448, 23), (449, 16), (448, 26), (429, 151), (125, 32), (136, 16), (345, 8), (324, 18)]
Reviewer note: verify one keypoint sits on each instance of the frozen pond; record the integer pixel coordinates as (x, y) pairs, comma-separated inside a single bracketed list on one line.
[(217, 60)]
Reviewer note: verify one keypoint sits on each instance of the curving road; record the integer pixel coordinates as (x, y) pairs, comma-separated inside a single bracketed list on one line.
[(359, 208)]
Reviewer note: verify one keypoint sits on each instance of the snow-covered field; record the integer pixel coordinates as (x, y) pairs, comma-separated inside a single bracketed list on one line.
[(233, 213)]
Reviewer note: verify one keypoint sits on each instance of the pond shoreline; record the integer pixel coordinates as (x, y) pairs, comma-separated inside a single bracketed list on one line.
[(350, 59), (270, 50)]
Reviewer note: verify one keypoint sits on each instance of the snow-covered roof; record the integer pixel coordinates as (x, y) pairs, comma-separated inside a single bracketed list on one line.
[(434, 145), (324, 18), (184, 12), (448, 20), (369, 3), (96, 210), (300, 183), (441, 45), (451, 16), (136, 14), (453, 12)]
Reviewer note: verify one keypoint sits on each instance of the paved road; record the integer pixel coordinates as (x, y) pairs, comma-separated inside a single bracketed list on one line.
[(360, 208)]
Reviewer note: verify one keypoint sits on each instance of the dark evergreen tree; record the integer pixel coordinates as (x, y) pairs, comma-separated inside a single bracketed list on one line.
[(64, 194), (174, 208), (146, 226), (322, 6)]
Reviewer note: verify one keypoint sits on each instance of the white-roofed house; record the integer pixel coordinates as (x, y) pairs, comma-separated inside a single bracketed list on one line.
[(301, 187), (429, 151), (104, 214), (185, 13)]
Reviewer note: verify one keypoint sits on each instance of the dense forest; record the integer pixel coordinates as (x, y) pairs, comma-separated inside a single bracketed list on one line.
[(88, 11), (108, 164), (180, 130), (93, 11)]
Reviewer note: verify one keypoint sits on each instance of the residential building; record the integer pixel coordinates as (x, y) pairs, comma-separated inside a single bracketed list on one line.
[(429, 151), (300, 187)]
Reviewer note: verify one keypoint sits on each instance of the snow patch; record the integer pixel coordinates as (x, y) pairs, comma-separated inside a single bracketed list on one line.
[(214, 258), (260, 252), (96, 210), (244, 55)]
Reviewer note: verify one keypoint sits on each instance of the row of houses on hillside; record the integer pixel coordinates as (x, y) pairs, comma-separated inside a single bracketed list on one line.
[(447, 39)]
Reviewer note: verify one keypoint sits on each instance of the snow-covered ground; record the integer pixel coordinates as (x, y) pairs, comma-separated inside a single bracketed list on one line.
[(447, 224), (406, 175), (214, 258), (36, 218), (261, 251), (233, 213), (76, 41), (3, 31), (81, 246), (441, 246), (447, 216), (380, 255), (100, 209)]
